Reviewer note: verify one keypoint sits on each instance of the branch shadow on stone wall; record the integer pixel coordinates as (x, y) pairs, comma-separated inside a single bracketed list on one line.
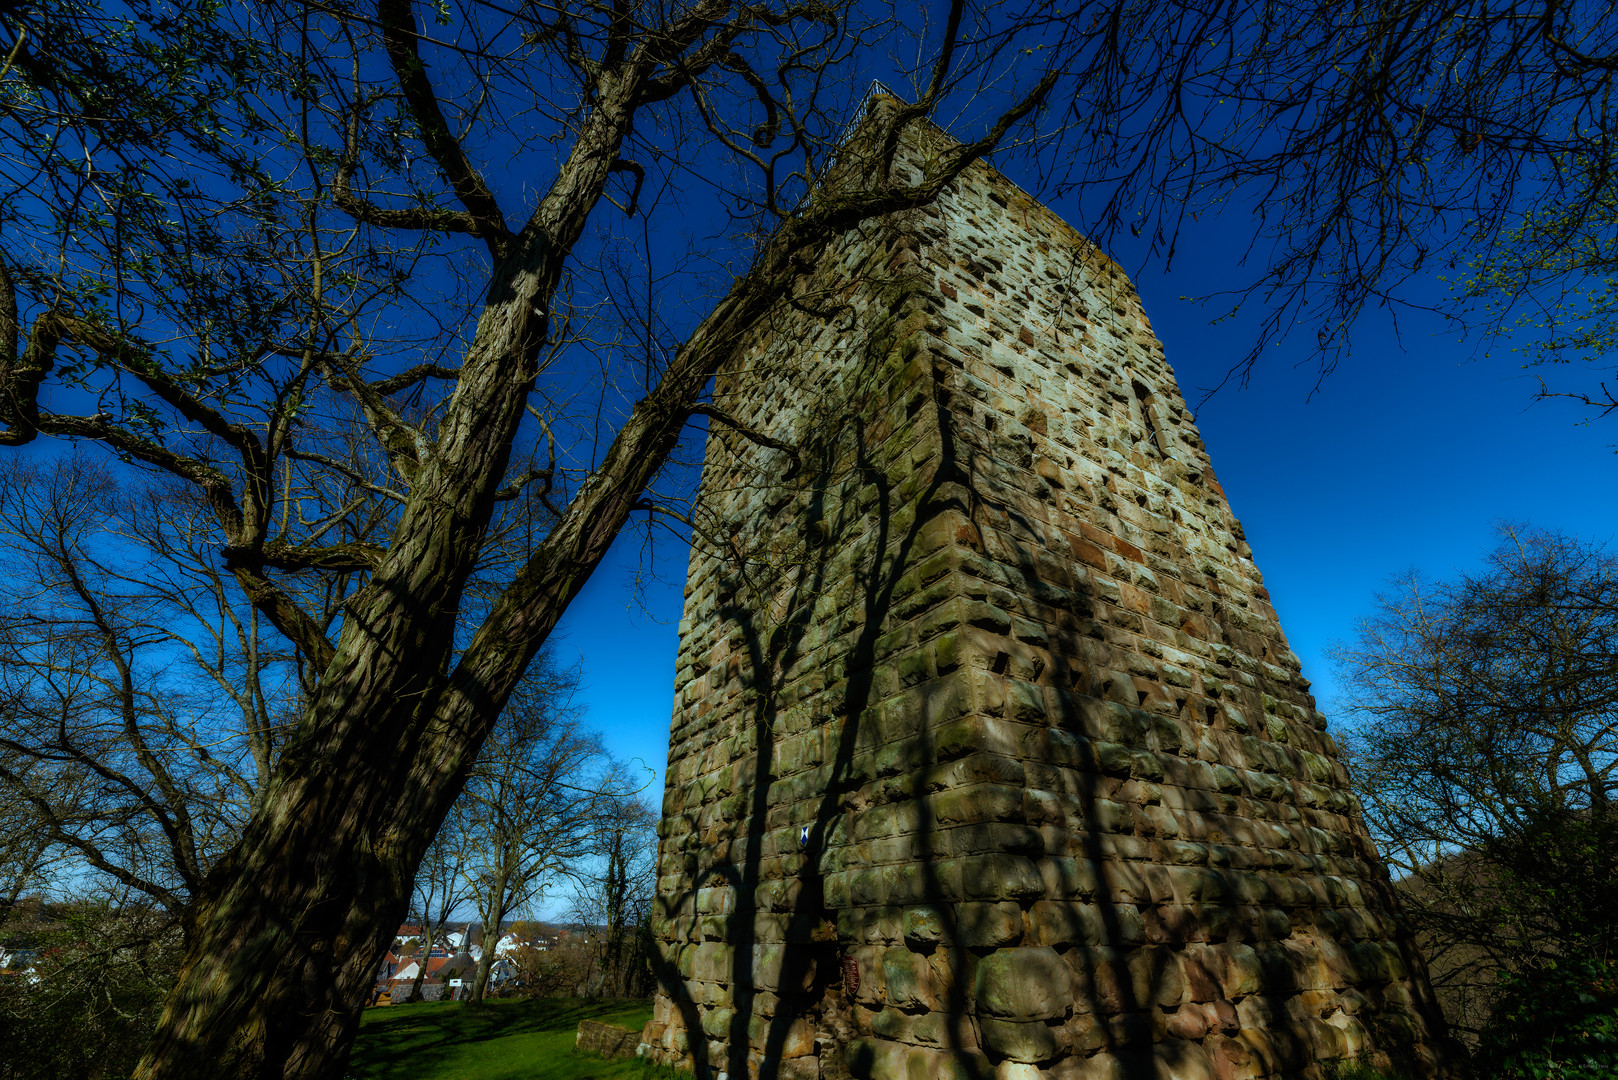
[(942, 944), (963, 774)]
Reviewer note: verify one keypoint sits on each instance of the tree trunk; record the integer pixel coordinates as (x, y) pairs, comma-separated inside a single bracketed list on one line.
[(287, 926), (421, 968), (285, 938), (480, 980), (612, 967)]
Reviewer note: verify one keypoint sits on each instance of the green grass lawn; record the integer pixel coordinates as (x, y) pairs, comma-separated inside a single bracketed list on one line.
[(504, 1040)]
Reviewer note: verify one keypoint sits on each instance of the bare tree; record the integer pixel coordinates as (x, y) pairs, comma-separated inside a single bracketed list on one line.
[(540, 794), (613, 898), (28, 853), (1486, 756), (144, 703), (1376, 145), (441, 889)]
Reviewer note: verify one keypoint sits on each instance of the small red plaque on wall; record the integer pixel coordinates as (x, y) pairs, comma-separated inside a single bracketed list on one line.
[(851, 975)]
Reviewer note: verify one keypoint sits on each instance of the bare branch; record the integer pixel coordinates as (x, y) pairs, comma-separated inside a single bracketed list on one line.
[(398, 28), (752, 435)]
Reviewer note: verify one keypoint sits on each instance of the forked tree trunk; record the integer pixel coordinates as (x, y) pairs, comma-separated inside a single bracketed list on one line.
[(288, 925), (285, 933)]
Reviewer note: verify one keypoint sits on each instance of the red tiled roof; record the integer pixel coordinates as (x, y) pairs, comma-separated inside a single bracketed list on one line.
[(434, 965)]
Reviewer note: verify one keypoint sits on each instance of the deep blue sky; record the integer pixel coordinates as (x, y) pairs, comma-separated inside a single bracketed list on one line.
[(1404, 458)]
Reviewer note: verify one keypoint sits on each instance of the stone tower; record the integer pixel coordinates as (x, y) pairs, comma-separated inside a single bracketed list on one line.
[(989, 756)]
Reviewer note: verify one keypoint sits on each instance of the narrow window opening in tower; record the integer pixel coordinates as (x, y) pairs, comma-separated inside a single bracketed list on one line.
[(1143, 395)]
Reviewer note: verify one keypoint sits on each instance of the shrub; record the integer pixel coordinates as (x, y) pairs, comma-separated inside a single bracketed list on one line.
[(93, 997), (1558, 1022)]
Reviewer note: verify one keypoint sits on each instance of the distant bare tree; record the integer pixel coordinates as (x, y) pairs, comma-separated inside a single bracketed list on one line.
[(441, 889), (534, 807), (144, 702), (28, 852), (1486, 756), (613, 899)]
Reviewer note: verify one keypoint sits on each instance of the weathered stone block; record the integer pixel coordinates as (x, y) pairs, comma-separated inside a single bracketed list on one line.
[(1058, 922), (1232, 1059), (996, 837), (1019, 1041), (1083, 1033), (1178, 1060), (1001, 875), (924, 924), (1112, 758), (959, 1064), (1030, 983), (977, 803), (713, 961), (930, 1028), (988, 925), (768, 961), (1010, 1069), (1095, 1067), (800, 1068), (1191, 1021), (881, 1059), (1128, 884), (908, 979), (1354, 1033), (875, 1058), (1068, 878), (1155, 977), (716, 1023)]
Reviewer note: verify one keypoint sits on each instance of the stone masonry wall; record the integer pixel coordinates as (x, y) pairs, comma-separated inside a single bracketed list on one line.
[(989, 756), (608, 1040)]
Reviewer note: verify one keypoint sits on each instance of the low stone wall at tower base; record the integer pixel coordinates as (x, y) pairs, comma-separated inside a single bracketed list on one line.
[(608, 1040)]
